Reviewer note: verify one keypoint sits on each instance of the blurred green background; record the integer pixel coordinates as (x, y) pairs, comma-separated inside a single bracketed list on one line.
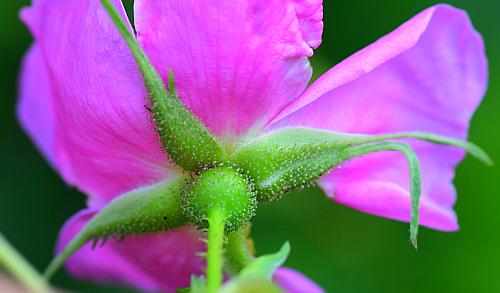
[(341, 249)]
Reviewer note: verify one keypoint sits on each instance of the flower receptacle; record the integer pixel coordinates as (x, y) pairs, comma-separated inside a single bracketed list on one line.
[(224, 188)]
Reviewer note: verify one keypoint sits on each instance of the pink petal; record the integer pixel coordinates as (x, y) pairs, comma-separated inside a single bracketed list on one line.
[(36, 109), (163, 261), (294, 282), (83, 100), (429, 75), (236, 63)]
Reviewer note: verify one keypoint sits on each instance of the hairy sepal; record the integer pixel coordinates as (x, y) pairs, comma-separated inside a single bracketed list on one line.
[(290, 158), (184, 137), (238, 251), (287, 159), (415, 176), (149, 209)]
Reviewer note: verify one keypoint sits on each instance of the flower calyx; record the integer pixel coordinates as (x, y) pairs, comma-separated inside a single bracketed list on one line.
[(224, 188)]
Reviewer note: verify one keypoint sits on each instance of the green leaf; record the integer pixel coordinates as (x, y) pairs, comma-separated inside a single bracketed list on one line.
[(145, 210), (187, 141), (250, 285), (198, 285), (415, 176), (264, 266)]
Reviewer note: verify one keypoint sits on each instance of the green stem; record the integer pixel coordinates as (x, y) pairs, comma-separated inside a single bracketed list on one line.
[(237, 254), (15, 264), (216, 222)]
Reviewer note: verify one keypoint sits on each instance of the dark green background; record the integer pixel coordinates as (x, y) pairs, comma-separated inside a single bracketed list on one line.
[(343, 250)]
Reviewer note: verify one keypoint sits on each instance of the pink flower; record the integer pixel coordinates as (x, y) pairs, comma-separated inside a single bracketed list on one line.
[(240, 66)]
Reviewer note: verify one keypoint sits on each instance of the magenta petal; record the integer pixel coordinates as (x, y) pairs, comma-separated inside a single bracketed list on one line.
[(93, 123), (294, 282), (236, 63), (428, 75), (35, 109), (163, 261), (371, 185)]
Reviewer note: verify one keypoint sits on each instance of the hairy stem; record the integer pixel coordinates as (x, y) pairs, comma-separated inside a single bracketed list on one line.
[(216, 222), (15, 264)]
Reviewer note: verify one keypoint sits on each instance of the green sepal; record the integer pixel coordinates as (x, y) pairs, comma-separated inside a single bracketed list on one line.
[(238, 251), (184, 137), (265, 266), (471, 148), (288, 159), (149, 209), (415, 176)]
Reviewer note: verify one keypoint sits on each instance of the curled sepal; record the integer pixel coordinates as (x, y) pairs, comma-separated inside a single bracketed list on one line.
[(287, 159), (184, 137), (415, 175), (468, 146), (265, 266), (145, 210)]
